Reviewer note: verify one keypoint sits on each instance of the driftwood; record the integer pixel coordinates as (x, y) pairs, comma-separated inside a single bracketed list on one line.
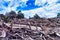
[(34, 34)]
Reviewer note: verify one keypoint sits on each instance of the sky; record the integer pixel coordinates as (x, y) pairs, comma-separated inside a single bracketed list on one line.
[(44, 8)]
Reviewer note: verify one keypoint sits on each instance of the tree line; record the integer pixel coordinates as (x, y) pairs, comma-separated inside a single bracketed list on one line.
[(11, 15), (19, 15)]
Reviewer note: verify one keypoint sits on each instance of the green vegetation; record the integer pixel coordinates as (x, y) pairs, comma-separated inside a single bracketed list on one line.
[(11, 15), (35, 17), (58, 16), (20, 15)]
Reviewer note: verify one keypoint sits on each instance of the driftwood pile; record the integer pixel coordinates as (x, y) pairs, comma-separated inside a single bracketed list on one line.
[(48, 32), (27, 34)]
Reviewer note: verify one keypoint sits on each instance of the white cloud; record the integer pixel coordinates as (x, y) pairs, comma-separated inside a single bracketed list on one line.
[(45, 11), (38, 2), (51, 1), (40, 11), (42, 2), (24, 0), (7, 0), (12, 5)]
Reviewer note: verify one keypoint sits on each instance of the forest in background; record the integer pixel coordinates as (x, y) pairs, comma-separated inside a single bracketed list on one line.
[(19, 15)]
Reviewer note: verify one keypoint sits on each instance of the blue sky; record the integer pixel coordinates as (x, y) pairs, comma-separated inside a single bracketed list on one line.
[(44, 8)]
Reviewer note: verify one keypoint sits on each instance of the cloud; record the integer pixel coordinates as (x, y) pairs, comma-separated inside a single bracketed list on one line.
[(41, 12), (40, 2), (49, 11), (8, 5), (8, 0), (44, 8)]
